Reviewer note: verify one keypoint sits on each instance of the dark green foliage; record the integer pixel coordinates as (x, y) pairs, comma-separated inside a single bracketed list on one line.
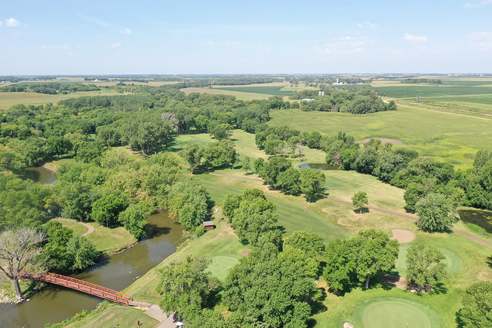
[(355, 100), (341, 151), (209, 157), (289, 181), (356, 261), (76, 200), (64, 252), (221, 131), (186, 288), (359, 200), (190, 203), (272, 169), (108, 206), (253, 218), (425, 267), (23, 203), (312, 184), (270, 289), (148, 134), (478, 182), (49, 87), (436, 213), (277, 140), (133, 218), (476, 311)]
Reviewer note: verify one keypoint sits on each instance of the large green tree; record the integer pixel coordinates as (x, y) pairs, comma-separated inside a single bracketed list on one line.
[(425, 267), (436, 213), (476, 311), (312, 184), (106, 208)]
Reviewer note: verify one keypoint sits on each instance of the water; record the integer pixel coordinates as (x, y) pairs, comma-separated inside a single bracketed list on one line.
[(40, 174), (53, 304), (317, 166)]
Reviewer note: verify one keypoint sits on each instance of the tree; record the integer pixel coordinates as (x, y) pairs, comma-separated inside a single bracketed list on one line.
[(425, 267), (272, 169), (186, 287), (76, 200), (312, 184), (253, 218), (376, 255), (19, 250), (134, 219), (289, 181), (436, 213), (221, 131), (311, 245), (190, 203), (476, 311), (149, 136), (359, 201), (270, 289), (246, 164), (357, 261), (64, 252), (106, 209)]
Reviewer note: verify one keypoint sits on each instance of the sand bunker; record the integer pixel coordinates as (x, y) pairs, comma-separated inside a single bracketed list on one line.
[(403, 236)]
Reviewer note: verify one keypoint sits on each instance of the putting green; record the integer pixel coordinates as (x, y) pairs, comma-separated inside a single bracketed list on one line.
[(391, 312), (220, 266)]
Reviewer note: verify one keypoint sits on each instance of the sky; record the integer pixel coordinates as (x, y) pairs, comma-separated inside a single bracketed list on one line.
[(232, 37)]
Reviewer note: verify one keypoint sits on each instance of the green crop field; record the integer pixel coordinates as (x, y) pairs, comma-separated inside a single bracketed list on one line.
[(450, 137), (266, 90)]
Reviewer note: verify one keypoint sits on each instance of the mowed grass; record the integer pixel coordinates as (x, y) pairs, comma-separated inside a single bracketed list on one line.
[(111, 316), (448, 137), (106, 240), (9, 99)]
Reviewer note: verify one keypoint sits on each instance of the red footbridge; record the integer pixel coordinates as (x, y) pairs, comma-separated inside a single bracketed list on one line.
[(82, 286)]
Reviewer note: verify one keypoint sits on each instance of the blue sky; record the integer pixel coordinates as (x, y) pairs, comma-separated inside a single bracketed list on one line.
[(161, 36)]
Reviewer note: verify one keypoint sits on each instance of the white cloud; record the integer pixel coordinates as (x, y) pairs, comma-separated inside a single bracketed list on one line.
[(126, 31), (95, 21), (482, 40), (115, 45), (11, 22), (415, 39), (478, 4)]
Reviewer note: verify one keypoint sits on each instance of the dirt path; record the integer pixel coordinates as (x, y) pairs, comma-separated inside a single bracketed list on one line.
[(90, 229), (155, 312)]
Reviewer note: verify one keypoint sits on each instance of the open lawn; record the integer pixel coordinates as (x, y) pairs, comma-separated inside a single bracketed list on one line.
[(450, 137), (9, 99), (107, 240)]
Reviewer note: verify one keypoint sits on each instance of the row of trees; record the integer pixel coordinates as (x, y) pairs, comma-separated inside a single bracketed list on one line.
[(278, 173), (355, 100)]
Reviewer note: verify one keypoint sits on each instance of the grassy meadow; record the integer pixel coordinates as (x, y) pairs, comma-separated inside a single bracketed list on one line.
[(9, 99), (444, 136)]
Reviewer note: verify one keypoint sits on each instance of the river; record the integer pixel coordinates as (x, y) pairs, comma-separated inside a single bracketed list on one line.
[(53, 304)]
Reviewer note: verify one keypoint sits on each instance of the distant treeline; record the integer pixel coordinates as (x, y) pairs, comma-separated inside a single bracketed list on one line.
[(355, 100), (51, 88), (418, 81)]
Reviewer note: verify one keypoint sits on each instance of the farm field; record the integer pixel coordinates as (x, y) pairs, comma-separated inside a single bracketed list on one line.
[(449, 137), (237, 94), (9, 99)]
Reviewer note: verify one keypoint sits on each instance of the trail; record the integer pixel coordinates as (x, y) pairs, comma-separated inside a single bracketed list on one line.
[(90, 229), (154, 311)]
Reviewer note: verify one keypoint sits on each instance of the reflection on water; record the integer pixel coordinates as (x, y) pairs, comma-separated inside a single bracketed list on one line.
[(317, 166), (481, 218), (40, 174), (54, 304)]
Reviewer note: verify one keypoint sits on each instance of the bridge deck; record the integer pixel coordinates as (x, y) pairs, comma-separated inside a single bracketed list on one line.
[(82, 286)]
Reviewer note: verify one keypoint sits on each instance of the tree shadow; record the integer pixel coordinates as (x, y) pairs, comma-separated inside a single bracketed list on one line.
[(362, 210), (489, 261)]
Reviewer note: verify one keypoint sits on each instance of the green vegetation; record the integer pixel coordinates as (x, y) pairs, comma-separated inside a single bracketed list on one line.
[(48, 87), (359, 201), (267, 90)]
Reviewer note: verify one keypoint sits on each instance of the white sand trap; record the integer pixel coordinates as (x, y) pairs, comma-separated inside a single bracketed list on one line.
[(403, 236)]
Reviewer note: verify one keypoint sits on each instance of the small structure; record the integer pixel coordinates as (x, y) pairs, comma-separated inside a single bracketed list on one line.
[(208, 225)]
